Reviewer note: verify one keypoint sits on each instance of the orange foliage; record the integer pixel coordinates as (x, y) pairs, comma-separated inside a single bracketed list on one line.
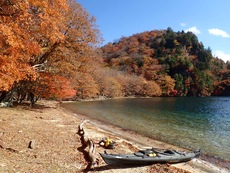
[(167, 84), (113, 88), (86, 86), (41, 42), (153, 89), (53, 86), (22, 23)]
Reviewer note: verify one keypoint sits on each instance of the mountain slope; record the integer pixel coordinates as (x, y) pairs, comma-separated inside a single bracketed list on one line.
[(176, 61)]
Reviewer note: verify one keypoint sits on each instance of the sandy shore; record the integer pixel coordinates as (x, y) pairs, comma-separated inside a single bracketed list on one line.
[(52, 131)]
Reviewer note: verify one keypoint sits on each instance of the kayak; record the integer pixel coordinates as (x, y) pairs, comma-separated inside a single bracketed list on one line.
[(148, 157)]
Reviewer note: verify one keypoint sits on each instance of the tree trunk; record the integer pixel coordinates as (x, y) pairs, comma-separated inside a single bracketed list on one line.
[(7, 98)]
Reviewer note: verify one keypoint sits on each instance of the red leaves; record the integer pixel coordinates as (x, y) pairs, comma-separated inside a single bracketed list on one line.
[(22, 25), (53, 86), (43, 44)]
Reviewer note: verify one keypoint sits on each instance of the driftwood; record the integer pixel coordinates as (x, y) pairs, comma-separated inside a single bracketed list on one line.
[(87, 142), (83, 137), (92, 154), (80, 128)]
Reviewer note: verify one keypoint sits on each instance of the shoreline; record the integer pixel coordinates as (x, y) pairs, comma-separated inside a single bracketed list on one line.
[(211, 162), (52, 129)]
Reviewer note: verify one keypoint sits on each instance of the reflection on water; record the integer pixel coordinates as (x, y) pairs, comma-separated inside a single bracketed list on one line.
[(187, 122)]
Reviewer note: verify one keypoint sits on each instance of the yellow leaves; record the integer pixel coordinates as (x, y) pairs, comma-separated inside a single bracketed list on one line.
[(176, 42), (153, 89), (167, 84), (112, 88), (86, 86)]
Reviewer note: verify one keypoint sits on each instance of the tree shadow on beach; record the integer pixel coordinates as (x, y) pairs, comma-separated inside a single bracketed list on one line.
[(163, 168), (108, 167), (86, 157)]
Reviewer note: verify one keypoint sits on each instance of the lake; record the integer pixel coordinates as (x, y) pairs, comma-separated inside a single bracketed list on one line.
[(189, 122)]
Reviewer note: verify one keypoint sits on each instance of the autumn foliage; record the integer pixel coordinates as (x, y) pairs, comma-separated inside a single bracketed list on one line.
[(176, 62), (40, 42), (49, 49)]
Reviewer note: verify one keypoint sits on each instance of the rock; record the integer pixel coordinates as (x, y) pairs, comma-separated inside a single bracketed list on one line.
[(6, 104), (2, 104), (1, 134), (31, 144)]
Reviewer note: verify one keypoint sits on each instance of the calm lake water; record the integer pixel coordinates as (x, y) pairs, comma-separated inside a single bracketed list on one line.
[(190, 122)]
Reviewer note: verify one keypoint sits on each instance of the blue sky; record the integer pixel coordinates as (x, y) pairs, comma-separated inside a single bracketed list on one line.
[(208, 19)]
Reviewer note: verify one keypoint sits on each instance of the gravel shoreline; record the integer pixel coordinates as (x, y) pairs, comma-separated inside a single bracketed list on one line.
[(52, 131), (205, 163)]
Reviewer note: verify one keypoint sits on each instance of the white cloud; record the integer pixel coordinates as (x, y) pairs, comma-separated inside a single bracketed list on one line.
[(220, 54), (193, 29), (219, 32), (182, 24)]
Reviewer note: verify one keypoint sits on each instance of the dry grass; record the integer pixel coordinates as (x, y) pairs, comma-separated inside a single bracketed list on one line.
[(53, 133)]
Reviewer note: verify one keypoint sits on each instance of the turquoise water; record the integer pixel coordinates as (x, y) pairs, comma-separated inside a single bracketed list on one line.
[(195, 122)]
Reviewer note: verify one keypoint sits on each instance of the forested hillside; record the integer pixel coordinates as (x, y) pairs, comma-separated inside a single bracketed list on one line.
[(177, 62), (51, 50)]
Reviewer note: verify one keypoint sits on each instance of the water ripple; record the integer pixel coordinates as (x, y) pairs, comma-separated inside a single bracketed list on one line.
[(188, 122)]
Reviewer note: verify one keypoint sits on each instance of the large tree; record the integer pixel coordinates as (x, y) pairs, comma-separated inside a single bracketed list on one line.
[(40, 41)]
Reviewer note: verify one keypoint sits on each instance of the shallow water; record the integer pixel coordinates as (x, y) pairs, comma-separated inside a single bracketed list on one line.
[(190, 122)]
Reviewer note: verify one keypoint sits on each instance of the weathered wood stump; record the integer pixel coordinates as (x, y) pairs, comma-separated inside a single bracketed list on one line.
[(87, 142)]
